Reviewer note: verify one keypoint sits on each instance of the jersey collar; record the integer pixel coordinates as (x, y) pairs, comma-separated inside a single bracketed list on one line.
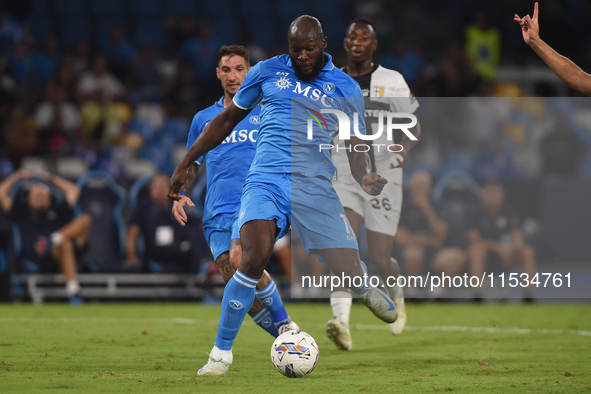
[(220, 102)]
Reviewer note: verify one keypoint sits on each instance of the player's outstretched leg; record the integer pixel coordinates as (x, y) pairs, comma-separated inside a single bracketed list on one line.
[(337, 329), (397, 295), (270, 297), (257, 241), (226, 263), (346, 263), (273, 318)]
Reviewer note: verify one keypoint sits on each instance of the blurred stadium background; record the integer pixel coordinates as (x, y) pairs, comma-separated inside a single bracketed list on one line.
[(159, 58)]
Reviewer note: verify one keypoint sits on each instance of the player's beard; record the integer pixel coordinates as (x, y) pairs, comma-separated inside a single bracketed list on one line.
[(316, 68)]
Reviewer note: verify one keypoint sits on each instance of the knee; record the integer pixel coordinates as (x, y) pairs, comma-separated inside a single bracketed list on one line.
[(413, 254), (235, 257)]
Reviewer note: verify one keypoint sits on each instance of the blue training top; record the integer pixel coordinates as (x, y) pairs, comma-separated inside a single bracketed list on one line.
[(283, 146), (228, 163)]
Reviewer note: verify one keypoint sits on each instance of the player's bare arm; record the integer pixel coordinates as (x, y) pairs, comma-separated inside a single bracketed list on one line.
[(178, 206), (360, 165), (213, 134), (6, 185), (563, 67), (407, 144)]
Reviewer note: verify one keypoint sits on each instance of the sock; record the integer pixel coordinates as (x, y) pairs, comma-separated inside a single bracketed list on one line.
[(238, 299), (362, 291), (264, 320), (226, 355), (270, 297), (341, 301), (72, 287)]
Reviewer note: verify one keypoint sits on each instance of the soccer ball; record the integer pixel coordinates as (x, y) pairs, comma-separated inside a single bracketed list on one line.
[(295, 354)]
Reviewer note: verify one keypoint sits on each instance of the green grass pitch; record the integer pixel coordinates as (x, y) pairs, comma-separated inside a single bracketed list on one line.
[(158, 348)]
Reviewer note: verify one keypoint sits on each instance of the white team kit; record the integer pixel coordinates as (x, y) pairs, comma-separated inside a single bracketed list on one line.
[(384, 90)]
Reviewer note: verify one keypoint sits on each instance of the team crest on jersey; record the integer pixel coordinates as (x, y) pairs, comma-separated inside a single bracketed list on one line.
[(283, 83), (378, 91), (254, 119), (328, 88)]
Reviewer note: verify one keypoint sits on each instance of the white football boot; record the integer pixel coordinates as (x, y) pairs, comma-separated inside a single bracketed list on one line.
[(380, 305), (397, 294), (340, 334), (218, 363), (288, 327)]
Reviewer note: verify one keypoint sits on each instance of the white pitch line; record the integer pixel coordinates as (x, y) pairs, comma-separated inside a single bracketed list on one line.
[(179, 320)]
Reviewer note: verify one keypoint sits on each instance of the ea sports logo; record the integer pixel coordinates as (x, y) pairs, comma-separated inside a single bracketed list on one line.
[(235, 305)]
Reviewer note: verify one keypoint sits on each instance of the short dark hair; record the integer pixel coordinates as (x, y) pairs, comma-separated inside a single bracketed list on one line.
[(234, 50), (364, 21)]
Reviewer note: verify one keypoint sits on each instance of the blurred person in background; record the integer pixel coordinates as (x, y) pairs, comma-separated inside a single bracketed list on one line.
[(561, 150), (52, 237), (120, 52), (20, 136), (566, 70), (494, 230), (421, 232), (169, 246), (185, 96), (59, 121), (483, 46)]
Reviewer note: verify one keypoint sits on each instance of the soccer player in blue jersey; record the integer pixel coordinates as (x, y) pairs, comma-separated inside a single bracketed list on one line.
[(279, 191), (227, 167)]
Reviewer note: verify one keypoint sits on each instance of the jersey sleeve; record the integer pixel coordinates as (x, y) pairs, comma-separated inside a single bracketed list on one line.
[(403, 100), (356, 104), (197, 126), (250, 93)]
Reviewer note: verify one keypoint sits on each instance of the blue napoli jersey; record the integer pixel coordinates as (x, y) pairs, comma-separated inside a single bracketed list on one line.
[(228, 163), (283, 144)]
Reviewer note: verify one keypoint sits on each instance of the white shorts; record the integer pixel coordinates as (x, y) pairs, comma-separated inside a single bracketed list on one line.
[(380, 213)]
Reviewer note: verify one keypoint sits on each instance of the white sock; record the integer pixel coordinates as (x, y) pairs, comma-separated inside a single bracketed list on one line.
[(72, 287), (341, 301), (225, 355), (56, 238)]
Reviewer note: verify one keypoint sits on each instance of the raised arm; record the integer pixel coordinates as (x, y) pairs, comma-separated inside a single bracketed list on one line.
[(214, 133), (7, 184), (566, 70), (70, 190), (360, 165)]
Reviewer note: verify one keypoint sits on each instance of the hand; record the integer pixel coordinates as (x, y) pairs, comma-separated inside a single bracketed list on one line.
[(398, 159), (373, 184), (178, 209), (132, 260), (529, 26), (178, 179)]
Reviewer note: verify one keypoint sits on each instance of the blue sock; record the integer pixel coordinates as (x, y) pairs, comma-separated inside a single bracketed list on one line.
[(270, 297), (264, 319), (237, 301)]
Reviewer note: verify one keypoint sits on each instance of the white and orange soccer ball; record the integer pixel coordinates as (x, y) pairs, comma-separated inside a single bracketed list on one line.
[(295, 354)]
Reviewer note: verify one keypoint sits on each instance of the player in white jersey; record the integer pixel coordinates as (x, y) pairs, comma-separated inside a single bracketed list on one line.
[(384, 90)]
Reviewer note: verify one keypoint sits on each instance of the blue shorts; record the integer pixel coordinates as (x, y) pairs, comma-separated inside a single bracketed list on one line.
[(310, 205), (219, 231)]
